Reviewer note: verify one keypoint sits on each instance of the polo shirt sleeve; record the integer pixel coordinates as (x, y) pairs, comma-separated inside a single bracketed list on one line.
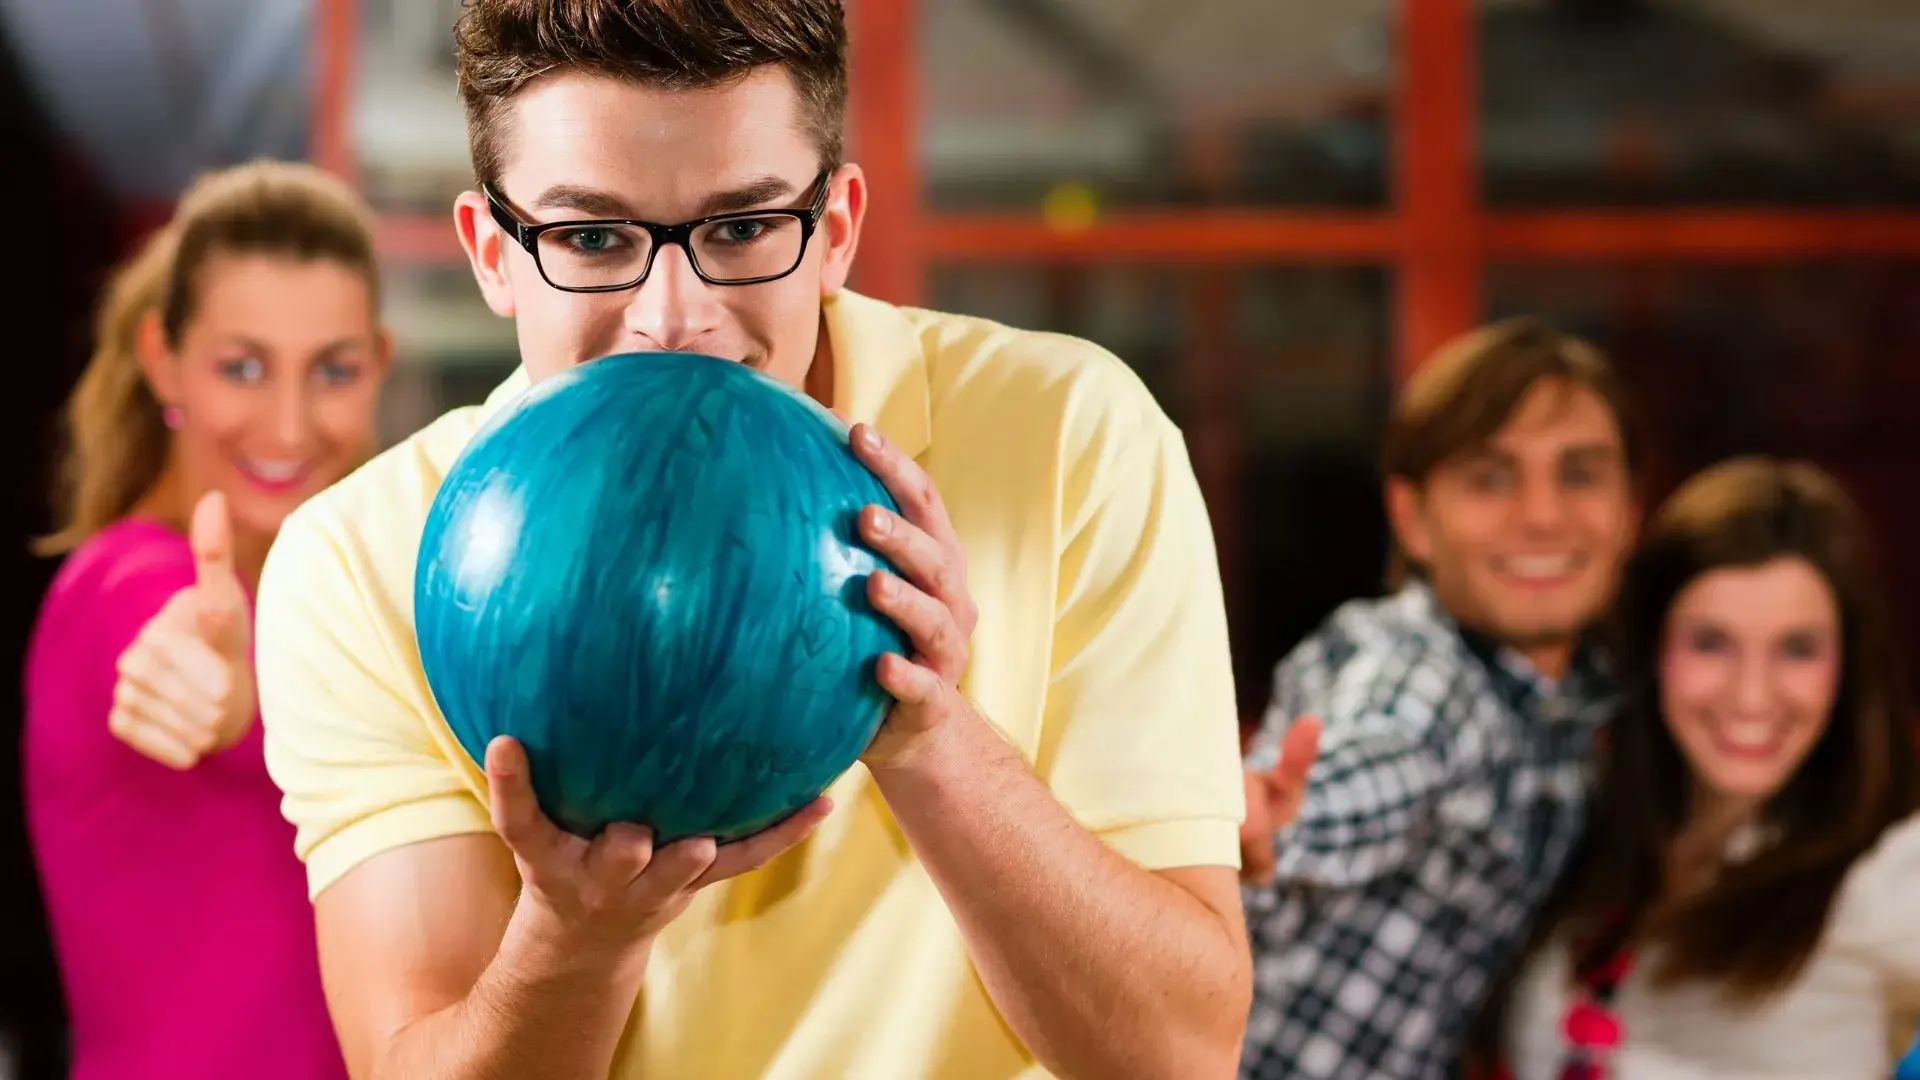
[(1140, 739), (346, 732)]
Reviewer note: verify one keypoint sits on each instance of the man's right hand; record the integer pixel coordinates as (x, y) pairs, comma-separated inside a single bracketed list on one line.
[(615, 892), (1274, 799), (516, 951)]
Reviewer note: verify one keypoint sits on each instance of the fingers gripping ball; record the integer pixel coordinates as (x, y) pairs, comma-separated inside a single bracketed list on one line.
[(645, 570)]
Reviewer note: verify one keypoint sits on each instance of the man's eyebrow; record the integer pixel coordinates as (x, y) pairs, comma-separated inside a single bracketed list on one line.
[(747, 196), (596, 203), (590, 201)]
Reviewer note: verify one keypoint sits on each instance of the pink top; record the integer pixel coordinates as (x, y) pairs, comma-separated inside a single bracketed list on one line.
[(179, 911)]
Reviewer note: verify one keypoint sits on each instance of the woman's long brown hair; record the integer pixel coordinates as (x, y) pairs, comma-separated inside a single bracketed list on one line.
[(1757, 925)]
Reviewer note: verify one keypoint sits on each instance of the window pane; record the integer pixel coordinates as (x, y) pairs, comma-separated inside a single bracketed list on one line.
[(450, 348), (1154, 102), (1700, 101), (1814, 362), (408, 127), (1279, 378)]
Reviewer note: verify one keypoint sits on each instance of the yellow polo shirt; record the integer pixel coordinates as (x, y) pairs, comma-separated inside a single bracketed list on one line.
[(1101, 653)]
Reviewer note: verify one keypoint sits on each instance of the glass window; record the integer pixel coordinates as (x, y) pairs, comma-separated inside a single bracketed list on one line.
[(1069, 104), (409, 132), (1280, 379), (1699, 101), (450, 348)]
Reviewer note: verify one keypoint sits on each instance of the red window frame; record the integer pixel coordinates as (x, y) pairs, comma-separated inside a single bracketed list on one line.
[(1436, 236)]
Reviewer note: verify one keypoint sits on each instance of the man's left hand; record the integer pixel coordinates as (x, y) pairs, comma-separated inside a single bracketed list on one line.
[(930, 603)]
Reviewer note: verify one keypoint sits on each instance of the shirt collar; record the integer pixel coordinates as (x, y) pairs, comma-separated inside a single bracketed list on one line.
[(1589, 680)]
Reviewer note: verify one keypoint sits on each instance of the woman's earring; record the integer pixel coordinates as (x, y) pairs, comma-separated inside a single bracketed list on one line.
[(171, 416)]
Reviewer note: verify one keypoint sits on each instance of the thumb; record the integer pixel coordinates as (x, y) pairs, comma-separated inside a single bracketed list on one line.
[(222, 603), (1298, 750)]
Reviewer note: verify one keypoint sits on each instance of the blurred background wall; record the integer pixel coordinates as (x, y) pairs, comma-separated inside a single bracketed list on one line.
[(1272, 209)]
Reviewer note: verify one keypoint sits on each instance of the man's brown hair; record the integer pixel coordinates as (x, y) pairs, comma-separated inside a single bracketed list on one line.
[(503, 45), (1467, 391)]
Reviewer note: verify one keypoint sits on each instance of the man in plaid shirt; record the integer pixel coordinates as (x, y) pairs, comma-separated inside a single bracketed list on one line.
[(1457, 718)]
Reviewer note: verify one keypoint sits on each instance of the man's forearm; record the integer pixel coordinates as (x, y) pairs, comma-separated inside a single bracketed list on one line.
[(1103, 969), (542, 1008)]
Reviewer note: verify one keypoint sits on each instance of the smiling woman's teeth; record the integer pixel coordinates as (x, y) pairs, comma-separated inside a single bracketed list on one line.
[(1749, 734), (274, 470)]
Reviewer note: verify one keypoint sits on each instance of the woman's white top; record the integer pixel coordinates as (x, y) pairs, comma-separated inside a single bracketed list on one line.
[(1848, 1016)]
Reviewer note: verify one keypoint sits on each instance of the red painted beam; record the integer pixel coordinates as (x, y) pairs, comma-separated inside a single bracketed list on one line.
[(1436, 178), (419, 240), (1690, 235), (1281, 237), (884, 52), (1173, 235), (336, 45)]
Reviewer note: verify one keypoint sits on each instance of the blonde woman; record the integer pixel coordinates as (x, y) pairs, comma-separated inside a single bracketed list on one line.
[(237, 366)]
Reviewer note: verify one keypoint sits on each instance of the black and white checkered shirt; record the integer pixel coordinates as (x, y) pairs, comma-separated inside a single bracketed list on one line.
[(1450, 788)]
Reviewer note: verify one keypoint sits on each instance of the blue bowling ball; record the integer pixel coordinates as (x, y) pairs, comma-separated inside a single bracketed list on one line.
[(645, 569), (1909, 1067)]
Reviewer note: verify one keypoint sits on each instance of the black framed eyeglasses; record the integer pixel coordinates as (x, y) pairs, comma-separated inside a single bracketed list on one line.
[(611, 254)]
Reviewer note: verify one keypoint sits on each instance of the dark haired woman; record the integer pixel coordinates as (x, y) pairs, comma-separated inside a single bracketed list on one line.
[(1748, 899)]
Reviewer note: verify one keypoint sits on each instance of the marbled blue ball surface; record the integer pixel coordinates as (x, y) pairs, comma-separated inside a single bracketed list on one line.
[(645, 570)]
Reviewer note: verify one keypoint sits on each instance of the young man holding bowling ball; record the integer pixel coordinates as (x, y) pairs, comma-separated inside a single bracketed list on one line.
[(1032, 874)]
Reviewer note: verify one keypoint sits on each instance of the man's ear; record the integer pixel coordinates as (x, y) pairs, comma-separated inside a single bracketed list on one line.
[(488, 250), (1407, 514), (839, 231)]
